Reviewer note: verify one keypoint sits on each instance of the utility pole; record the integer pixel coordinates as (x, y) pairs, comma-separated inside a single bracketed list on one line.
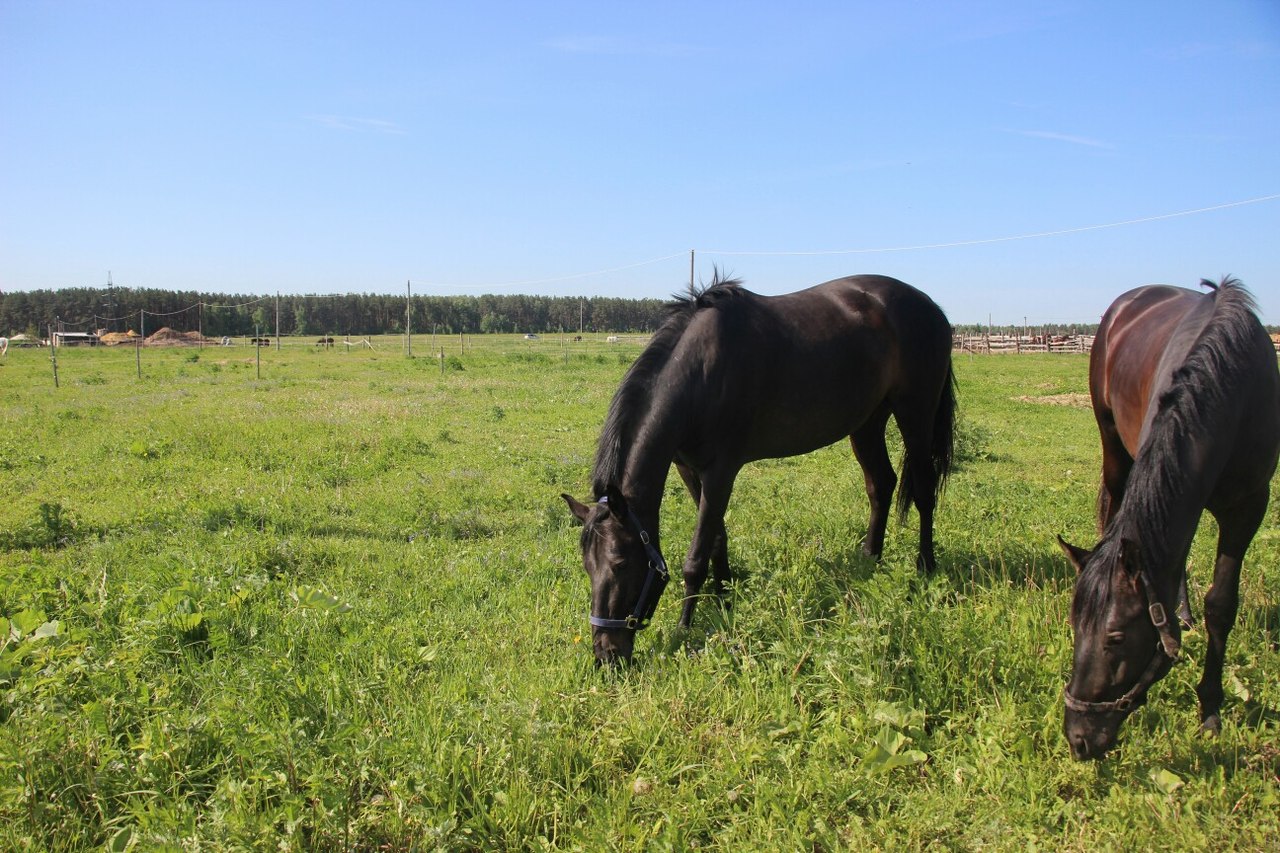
[(111, 303)]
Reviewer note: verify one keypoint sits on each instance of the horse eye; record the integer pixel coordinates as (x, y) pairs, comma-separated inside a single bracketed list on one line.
[(1115, 638)]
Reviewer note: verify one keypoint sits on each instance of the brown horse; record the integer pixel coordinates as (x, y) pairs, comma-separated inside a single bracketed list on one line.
[(732, 377), (1187, 398)]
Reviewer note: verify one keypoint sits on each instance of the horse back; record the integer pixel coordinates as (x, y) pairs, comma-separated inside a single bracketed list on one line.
[(788, 374), (1146, 337), (1141, 339)]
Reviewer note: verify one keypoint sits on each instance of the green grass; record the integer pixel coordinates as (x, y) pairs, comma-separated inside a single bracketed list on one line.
[(341, 607)]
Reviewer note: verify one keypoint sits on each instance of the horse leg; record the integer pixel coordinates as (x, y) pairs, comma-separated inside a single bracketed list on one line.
[(709, 539), (1236, 526), (920, 479), (877, 473), (720, 573), (1116, 464)]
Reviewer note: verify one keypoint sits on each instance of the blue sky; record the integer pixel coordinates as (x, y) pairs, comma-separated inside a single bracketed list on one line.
[(585, 148)]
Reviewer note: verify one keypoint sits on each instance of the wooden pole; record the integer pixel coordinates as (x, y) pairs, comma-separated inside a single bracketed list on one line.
[(53, 354), (408, 317), (691, 272), (277, 321)]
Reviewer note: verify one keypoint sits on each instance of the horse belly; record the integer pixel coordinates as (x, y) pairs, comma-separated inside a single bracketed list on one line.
[(801, 419)]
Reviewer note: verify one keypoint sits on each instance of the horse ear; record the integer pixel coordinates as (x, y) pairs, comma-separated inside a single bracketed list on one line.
[(579, 510), (616, 502), (1076, 556)]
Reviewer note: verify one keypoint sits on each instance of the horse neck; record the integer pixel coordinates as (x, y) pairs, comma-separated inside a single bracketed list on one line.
[(642, 449), (1168, 487), (647, 461)]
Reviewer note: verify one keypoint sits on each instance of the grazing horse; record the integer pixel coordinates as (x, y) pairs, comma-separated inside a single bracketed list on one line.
[(1187, 398), (732, 377)]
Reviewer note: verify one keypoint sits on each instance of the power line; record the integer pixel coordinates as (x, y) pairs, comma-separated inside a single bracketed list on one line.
[(960, 243), (954, 244)]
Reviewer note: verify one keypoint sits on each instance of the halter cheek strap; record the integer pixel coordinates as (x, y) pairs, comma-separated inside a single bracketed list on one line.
[(1168, 650), (655, 581)]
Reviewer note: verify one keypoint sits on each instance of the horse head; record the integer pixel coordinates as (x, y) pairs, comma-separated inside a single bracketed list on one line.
[(1124, 643), (626, 569)]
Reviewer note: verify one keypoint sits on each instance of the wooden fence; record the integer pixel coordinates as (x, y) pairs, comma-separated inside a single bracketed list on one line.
[(1022, 343)]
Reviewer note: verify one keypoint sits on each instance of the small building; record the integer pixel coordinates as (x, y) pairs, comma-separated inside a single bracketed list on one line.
[(74, 339)]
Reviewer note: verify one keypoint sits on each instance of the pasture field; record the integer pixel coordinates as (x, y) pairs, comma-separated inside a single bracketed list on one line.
[(341, 607)]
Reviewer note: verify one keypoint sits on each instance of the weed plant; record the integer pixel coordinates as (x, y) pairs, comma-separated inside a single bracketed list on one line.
[(339, 606)]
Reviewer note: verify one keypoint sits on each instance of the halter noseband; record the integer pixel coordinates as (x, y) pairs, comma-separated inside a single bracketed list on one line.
[(655, 581), (1167, 648)]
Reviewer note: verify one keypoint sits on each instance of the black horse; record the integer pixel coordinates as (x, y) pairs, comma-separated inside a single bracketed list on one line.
[(732, 377), (1187, 398)]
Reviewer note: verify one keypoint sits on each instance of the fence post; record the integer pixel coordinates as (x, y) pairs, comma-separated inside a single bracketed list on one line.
[(53, 356)]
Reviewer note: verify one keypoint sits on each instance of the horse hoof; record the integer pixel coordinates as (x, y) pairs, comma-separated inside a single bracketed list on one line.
[(1211, 725)]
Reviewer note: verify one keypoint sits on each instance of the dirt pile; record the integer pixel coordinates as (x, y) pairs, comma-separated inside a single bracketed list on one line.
[(171, 338)]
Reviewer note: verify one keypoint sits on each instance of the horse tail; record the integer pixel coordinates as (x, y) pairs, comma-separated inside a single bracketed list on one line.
[(942, 450)]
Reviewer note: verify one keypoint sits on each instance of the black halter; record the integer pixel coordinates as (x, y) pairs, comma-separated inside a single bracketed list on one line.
[(1167, 651), (655, 581)]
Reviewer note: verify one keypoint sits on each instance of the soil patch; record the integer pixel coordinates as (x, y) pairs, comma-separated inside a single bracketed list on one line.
[(1075, 401)]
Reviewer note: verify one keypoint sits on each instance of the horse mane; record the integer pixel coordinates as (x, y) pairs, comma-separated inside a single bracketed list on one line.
[(635, 393), (1201, 390)]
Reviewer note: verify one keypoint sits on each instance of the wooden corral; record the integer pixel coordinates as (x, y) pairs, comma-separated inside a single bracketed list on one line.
[(1022, 343)]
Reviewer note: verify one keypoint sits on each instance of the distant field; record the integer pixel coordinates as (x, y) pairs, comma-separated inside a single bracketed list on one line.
[(312, 599)]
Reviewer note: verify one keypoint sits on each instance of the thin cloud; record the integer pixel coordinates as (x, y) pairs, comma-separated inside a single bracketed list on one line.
[(612, 46), (1065, 137), (1197, 51), (357, 125)]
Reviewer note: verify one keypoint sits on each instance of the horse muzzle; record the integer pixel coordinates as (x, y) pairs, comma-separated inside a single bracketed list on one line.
[(1091, 737), (613, 647)]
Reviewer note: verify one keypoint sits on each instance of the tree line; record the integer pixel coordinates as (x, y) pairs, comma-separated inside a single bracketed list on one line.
[(145, 310)]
